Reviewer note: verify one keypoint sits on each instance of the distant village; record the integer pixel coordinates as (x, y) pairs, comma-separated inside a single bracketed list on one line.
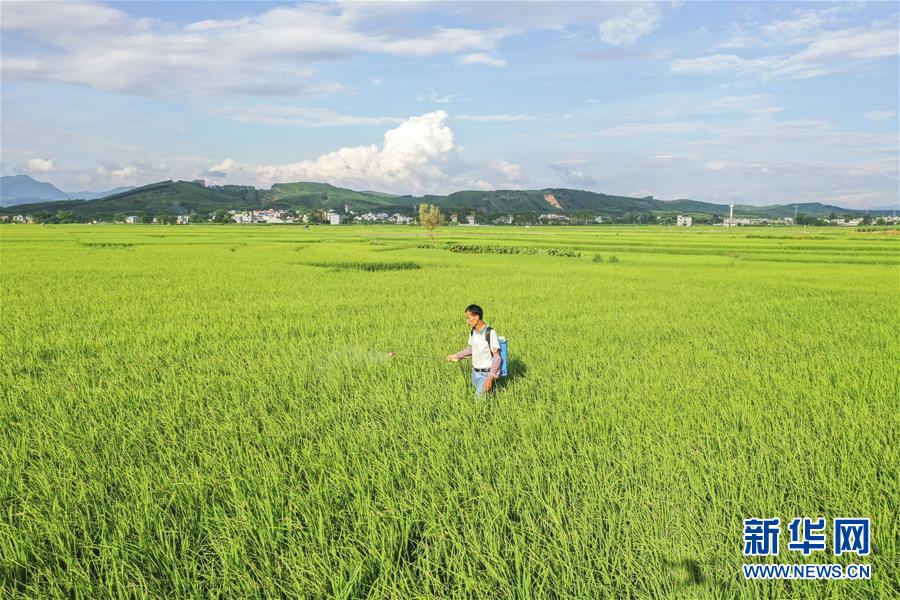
[(348, 216)]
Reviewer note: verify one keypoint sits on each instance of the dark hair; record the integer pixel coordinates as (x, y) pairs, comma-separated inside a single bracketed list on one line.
[(474, 309)]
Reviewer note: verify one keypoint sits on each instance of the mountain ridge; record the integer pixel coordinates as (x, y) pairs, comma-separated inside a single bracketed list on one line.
[(185, 197)]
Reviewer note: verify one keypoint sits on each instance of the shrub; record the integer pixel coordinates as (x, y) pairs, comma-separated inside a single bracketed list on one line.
[(494, 249), (368, 266)]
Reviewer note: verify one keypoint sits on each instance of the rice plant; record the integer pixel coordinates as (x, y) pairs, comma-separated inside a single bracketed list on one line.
[(191, 412)]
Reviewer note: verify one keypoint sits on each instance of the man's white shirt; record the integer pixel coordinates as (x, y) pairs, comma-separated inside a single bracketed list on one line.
[(481, 353)]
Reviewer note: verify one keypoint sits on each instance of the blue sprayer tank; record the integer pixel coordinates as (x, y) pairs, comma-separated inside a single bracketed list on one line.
[(503, 362)]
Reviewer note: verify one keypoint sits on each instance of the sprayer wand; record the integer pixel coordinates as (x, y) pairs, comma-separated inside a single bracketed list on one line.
[(418, 356)]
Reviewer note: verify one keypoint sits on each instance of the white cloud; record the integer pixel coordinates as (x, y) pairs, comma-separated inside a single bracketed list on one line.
[(573, 173), (481, 58), (509, 171), (273, 53), (879, 115), (407, 162), (107, 174), (625, 29), (418, 156), (41, 165), (227, 168)]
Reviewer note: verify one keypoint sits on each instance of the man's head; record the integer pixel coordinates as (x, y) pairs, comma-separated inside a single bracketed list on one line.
[(473, 314)]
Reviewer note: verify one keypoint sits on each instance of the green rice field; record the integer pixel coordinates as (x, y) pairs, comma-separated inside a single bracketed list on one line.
[(210, 411)]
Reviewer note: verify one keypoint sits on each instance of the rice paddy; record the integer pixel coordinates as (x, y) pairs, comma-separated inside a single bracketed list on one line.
[(206, 411)]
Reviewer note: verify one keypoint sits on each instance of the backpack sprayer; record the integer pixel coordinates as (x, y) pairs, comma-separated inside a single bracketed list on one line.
[(504, 344)]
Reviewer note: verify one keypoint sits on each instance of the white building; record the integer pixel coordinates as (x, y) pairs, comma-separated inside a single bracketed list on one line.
[(269, 215), (401, 219), (21, 219), (272, 216), (555, 217), (242, 216), (132, 219), (846, 222), (333, 218), (684, 221), (182, 219), (470, 219), (371, 217)]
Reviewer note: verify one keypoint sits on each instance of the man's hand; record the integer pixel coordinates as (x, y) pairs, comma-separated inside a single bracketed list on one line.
[(452, 358), (488, 383)]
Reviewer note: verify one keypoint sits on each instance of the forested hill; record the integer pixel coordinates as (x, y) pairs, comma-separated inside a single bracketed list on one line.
[(184, 197)]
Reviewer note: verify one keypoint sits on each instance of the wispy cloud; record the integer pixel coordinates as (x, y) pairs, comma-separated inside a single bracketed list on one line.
[(825, 52), (754, 104), (300, 116), (879, 115), (502, 118), (437, 98), (802, 25), (641, 129), (636, 23), (481, 58)]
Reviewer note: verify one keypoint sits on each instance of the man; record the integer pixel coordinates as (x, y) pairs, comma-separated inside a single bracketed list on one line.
[(485, 354)]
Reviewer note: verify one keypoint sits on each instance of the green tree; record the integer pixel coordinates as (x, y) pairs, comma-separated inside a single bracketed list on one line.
[(430, 217), (803, 219), (222, 216), (119, 217), (42, 216)]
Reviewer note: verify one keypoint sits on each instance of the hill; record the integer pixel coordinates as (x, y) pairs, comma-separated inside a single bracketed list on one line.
[(183, 197), (307, 195), (165, 197), (22, 189)]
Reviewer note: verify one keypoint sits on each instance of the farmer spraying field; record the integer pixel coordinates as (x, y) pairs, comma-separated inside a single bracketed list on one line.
[(484, 348)]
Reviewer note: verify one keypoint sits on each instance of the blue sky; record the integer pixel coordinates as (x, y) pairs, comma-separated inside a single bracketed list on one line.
[(757, 103)]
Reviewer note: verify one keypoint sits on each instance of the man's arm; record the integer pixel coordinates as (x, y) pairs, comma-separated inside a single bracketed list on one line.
[(496, 361), (464, 353)]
